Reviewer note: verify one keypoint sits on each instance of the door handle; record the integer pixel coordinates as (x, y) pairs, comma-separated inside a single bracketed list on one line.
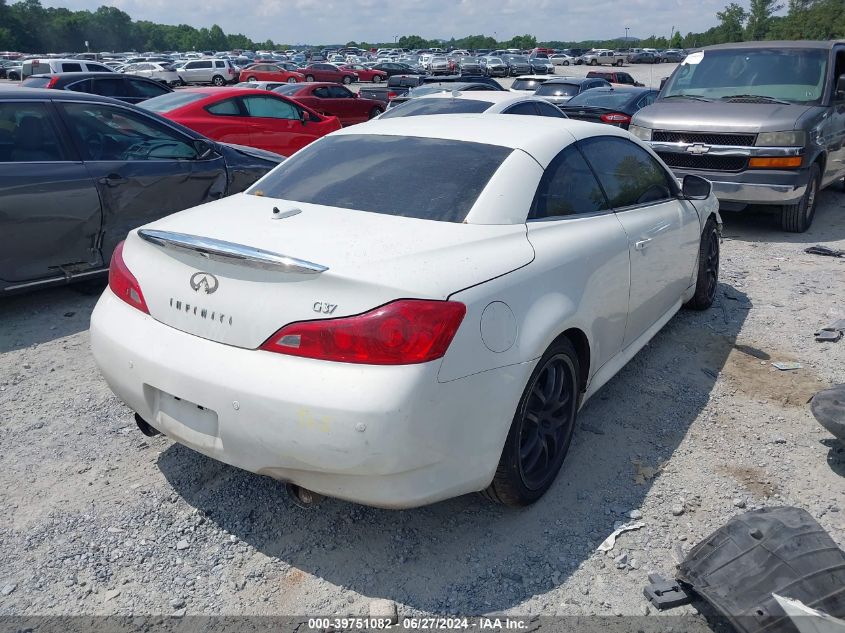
[(642, 244), (112, 180)]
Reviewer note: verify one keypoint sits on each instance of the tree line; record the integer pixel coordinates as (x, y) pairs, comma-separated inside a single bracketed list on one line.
[(28, 26)]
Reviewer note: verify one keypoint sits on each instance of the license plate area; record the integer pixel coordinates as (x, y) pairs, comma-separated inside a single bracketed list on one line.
[(188, 421)]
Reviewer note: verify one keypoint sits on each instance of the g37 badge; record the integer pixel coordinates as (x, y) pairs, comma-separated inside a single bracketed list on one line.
[(324, 308)]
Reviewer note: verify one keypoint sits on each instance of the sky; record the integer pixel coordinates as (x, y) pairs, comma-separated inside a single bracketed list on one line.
[(339, 21)]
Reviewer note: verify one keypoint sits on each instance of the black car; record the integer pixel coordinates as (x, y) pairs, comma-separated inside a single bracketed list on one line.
[(78, 171), (128, 88), (614, 106), (517, 65), (397, 68)]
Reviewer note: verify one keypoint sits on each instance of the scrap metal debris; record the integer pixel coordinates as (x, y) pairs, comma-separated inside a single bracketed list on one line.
[(608, 543), (825, 251), (787, 366), (832, 332), (828, 408), (781, 550), (808, 620), (665, 594)]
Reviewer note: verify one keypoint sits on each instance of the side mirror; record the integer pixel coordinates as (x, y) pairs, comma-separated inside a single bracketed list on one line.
[(840, 89), (205, 149), (303, 117), (663, 82), (696, 187)]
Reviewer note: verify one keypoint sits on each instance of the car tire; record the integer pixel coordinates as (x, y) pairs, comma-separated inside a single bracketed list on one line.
[(346, 80), (594, 62), (619, 63), (707, 275), (797, 218), (565, 63), (309, 78), (291, 80), (375, 112), (376, 79), (554, 387), (251, 79), (218, 81)]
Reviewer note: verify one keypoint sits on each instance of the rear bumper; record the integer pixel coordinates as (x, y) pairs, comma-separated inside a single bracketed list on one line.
[(384, 436)]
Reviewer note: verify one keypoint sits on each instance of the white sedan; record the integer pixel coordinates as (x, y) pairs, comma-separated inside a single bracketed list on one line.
[(165, 73), (474, 102), (399, 345)]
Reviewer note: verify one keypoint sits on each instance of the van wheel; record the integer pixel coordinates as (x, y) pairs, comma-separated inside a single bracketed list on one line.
[(217, 80), (707, 278), (541, 430), (797, 218)]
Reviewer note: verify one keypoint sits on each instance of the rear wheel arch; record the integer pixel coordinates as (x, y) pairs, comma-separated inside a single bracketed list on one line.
[(581, 343)]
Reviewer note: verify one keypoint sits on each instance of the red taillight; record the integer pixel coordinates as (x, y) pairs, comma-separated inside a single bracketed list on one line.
[(391, 96), (52, 82), (403, 332), (616, 117), (123, 283)]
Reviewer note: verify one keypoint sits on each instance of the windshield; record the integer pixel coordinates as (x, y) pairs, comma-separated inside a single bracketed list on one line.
[(596, 99), (419, 107), (171, 101), (795, 75), (349, 171), (526, 84), (556, 90)]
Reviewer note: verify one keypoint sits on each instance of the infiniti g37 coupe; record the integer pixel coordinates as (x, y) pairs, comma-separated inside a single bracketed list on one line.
[(396, 350)]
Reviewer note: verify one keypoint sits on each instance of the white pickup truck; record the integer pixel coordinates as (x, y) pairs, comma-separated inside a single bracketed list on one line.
[(597, 58)]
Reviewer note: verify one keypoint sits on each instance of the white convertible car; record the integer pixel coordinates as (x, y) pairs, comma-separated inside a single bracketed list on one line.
[(398, 345)]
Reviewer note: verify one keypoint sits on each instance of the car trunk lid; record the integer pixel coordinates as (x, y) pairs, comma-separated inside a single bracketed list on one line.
[(233, 271)]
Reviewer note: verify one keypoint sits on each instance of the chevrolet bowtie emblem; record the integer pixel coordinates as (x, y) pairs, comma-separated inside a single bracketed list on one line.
[(698, 148)]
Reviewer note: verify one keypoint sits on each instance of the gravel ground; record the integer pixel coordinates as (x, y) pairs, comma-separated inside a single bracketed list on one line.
[(95, 518)]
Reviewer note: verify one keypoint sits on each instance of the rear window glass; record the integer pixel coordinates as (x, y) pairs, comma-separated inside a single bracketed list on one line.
[(556, 90), (526, 84), (601, 99), (171, 101), (419, 107), (349, 171), (36, 82)]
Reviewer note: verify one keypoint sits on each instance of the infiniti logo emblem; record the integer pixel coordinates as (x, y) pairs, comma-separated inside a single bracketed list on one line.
[(206, 281)]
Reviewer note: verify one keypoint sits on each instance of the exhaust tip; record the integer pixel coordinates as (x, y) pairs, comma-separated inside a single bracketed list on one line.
[(303, 497), (145, 427)]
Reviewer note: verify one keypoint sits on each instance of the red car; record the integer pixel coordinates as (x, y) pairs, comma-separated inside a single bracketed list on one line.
[(245, 116), (270, 72), (328, 72), (331, 99), (366, 74)]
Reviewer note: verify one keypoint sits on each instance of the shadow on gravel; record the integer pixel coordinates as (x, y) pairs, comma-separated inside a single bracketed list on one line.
[(836, 456), (763, 223), (45, 315), (466, 555)]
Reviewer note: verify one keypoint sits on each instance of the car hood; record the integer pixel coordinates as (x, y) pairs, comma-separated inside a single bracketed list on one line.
[(254, 152), (719, 116)]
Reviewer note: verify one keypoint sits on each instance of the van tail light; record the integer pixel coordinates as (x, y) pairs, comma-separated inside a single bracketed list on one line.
[(615, 118), (403, 332), (123, 283)]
